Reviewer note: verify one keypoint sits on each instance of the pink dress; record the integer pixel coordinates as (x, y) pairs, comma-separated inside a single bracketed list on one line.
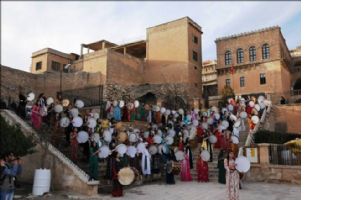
[(36, 117), (185, 169)]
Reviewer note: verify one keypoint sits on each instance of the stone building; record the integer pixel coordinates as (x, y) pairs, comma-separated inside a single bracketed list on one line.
[(164, 69), (209, 80), (296, 75), (254, 63)]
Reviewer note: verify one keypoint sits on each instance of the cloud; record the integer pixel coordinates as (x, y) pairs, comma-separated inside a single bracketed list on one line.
[(30, 26)]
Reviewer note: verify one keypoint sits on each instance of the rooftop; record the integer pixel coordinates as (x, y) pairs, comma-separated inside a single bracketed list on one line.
[(247, 33), (50, 50), (193, 23), (98, 45)]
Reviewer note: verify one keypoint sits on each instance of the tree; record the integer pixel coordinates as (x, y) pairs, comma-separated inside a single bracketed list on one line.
[(12, 140), (227, 93)]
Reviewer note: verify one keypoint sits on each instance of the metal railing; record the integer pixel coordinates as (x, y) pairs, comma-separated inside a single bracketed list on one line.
[(280, 154)]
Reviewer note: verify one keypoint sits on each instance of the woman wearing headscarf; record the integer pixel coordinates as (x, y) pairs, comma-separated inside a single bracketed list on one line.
[(36, 117), (221, 169), (119, 162), (232, 177), (202, 170)]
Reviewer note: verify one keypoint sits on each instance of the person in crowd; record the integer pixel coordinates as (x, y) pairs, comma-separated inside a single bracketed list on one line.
[(232, 177), (221, 169), (74, 144), (119, 162), (169, 175), (22, 105), (94, 161), (36, 117), (202, 170), (185, 174), (9, 168)]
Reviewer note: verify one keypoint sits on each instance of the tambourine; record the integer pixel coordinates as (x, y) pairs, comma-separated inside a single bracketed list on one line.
[(205, 155), (65, 102), (31, 96), (126, 176), (79, 103)]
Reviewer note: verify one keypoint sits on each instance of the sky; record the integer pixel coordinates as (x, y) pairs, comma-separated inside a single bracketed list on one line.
[(30, 26)]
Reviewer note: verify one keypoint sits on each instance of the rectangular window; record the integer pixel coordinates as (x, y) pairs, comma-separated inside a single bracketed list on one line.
[(55, 66), (262, 79), (228, 82), (38, 66), (194, 55), (242, 81), (195, 40)]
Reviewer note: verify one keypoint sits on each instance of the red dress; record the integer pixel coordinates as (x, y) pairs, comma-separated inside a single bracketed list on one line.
[(185, 174), (202, 171), (199, 133), (36, 117), (219, 140), (74, 146)]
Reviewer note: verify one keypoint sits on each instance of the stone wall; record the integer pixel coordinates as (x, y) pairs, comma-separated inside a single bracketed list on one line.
[(14, 81), (65, 175), (284, 118), (264, 171), (275, 173)]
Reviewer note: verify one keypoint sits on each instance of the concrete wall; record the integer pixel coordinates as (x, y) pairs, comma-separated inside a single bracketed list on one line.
[(284, 118)]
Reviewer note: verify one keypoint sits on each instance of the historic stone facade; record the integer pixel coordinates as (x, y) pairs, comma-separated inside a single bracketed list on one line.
[(254, 63), (168, 62)]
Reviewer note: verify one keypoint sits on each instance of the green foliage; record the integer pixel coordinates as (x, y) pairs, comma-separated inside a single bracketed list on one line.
[(12, 140), (264, 136), (227, 93)]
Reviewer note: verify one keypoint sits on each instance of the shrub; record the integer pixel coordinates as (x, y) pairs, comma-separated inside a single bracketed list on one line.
[(264, 136), (12, 140)]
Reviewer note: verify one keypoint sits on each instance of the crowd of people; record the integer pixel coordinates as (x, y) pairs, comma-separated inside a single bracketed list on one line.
[(164, 146)]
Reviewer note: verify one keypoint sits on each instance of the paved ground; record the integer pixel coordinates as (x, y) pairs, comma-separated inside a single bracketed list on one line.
[(198, 191)]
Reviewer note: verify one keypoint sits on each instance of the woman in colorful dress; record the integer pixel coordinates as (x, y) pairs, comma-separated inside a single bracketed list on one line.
[(36, 117), (232, 177), (185, 174), (94, 161), (202, 170), (74, 144)]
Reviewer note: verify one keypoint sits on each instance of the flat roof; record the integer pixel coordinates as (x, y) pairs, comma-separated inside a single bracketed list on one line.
[(247, 33), (50, 50), (98, 45), (193, 23)]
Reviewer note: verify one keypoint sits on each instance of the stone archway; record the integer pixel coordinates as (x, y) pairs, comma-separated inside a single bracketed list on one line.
[(149, 98), (174, 102)]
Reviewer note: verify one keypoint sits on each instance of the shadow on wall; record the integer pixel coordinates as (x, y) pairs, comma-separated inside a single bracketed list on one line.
[(281, 127)]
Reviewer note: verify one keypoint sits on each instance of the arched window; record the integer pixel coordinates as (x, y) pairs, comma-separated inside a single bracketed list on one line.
[(240, 56), (228, 58), (266, 51), (252, 54)]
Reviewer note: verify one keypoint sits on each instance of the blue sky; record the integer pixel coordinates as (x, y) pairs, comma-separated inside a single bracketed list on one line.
[(30, 26)]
